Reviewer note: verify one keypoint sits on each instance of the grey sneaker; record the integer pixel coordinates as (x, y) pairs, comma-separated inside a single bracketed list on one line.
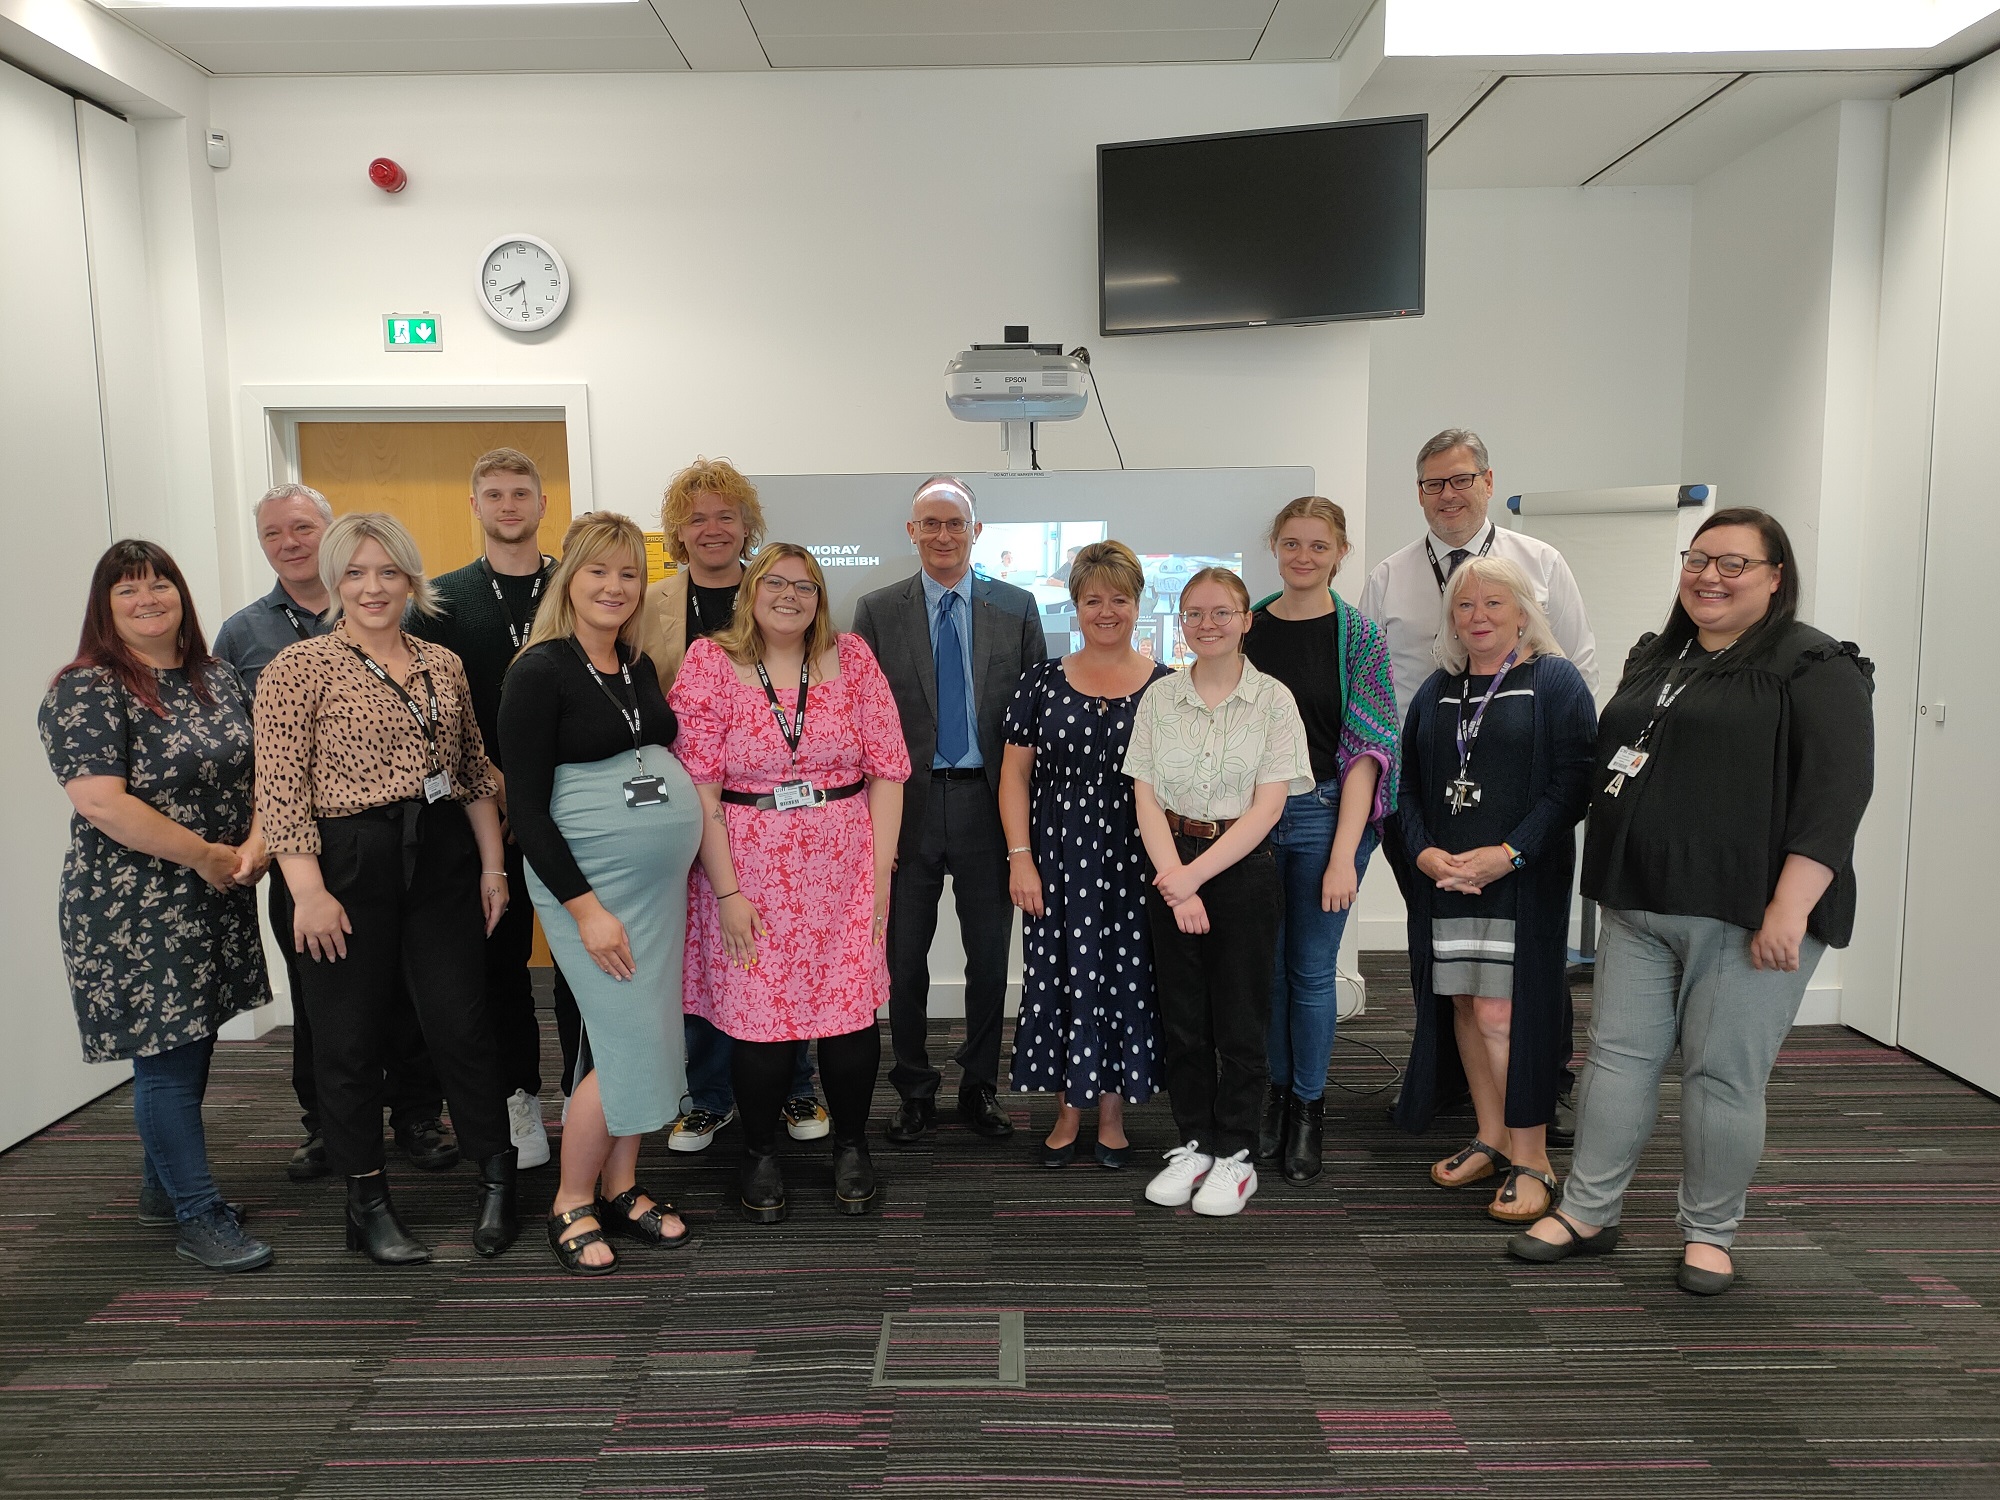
[(217, 1240), (156, 1208)]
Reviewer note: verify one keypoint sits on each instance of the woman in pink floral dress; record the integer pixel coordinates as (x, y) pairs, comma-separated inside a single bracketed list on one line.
[(792, 738)]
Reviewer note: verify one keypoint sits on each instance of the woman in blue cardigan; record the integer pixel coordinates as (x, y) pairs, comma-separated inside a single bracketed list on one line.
[(1496, 764)]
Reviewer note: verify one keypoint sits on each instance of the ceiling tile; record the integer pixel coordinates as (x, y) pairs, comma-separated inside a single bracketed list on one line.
[(1307, 30), (1559, 131), (715, 36), (979, 33)]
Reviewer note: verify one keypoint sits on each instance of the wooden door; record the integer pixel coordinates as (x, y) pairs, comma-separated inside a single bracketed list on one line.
[(421, 473)]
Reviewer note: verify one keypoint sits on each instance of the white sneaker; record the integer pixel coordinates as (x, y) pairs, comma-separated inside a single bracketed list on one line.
[(525, 1129), (1175, 1183), (1227, 1188), (695, 1129)]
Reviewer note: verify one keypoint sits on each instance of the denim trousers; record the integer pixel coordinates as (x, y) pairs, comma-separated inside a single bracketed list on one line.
[(1305, 977), (167, 1090), (708, 1065)]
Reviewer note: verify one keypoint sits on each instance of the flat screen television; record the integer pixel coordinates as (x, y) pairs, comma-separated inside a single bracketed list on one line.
[(1304, 225)]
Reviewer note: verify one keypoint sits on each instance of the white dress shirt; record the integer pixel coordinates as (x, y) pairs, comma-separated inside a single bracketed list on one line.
[(1403, 597)]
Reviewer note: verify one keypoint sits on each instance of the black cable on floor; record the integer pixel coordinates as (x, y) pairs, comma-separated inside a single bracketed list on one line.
[(1394, 1067)]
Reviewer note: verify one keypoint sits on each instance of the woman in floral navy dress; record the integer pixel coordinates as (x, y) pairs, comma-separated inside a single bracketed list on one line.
[(1089, 1026)]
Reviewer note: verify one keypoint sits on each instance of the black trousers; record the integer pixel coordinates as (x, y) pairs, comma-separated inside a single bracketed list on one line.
[(409, 880), (1215, 1000), (410, 1082), (760, 1074), (962, 838)]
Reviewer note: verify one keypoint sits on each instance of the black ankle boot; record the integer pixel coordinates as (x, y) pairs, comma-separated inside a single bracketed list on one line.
[(372, 1225), (761, 1188), (495, 1221), (1271, 1126), (1303, 1129), (853, 1177)]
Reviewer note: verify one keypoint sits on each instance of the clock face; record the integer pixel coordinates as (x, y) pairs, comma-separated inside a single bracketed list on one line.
[(523, 283)]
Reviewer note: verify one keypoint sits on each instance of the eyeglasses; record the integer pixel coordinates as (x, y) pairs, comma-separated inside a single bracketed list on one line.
[(1463, 481), (932, 525), (1729, 564), (773, 586), (1192, 618)]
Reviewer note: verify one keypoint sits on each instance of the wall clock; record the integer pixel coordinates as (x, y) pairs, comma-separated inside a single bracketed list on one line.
[(522, 281)]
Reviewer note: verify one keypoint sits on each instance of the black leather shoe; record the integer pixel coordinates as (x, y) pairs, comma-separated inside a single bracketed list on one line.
[(1271, 1126), (980, 1112), (913, 1120), (1562, 1129), (496, 1219), (1304, 1124), (372, 1225), (428, 1145), (760, 1188), (853, 1177), (309, 1161)]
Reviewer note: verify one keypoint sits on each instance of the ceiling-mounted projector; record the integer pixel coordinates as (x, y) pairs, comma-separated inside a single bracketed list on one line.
[(1016, 382)]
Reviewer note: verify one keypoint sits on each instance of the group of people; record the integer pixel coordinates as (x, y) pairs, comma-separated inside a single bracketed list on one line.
[(735, 823)]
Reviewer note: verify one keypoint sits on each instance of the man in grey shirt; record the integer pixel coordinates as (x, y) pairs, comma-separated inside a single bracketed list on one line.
[(290, 520)]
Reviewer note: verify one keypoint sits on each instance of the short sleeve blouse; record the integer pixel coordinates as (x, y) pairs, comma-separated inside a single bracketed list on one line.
[(1207, 763)]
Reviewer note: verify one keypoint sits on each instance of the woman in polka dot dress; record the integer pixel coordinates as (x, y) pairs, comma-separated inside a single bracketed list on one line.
[(1089, 1024)]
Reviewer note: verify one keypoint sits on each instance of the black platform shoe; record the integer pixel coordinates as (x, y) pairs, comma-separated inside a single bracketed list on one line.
[(761, 1188), (1271, 1126), (372, 1225), (1304, 1123), (853, 1177), (496, 1222)]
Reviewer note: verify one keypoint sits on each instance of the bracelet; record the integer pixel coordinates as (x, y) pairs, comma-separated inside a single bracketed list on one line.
[(1024, 849), (727, 894), (501, 873)]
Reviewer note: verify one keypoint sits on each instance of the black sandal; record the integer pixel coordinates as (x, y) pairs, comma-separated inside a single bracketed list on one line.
[(1496, 1162), (648, 1228), (569, 1250), (1508, 1195), (1525, 1246)]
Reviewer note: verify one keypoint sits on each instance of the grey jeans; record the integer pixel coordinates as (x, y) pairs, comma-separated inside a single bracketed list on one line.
[(1664, 981)]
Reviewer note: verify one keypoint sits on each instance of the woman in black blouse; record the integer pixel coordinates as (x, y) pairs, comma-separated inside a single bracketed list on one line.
[(610, 824), (1733, 767)]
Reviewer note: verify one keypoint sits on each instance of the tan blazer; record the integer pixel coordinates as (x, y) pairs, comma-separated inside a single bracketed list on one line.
[(663, 626)]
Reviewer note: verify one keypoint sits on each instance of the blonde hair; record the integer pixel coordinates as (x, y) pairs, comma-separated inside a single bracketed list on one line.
[(742, 639), (709, 476), (1537, 637), (592, 535), (344, 538), (1311, 508), (1113, 562), (505, 461), (1227, 579)]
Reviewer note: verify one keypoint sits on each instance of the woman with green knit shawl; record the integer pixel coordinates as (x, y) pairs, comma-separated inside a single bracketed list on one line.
[(1336, 663)]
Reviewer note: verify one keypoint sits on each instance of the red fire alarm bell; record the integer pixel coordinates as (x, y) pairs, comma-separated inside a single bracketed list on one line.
[(387, 176)]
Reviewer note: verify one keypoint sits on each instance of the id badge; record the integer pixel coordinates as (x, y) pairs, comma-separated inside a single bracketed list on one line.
[(437, 787), (1630, 762), (789, 795), (645, 791)]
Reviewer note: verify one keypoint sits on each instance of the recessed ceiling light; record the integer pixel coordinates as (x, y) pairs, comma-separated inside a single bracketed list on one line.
[(1558, 28)]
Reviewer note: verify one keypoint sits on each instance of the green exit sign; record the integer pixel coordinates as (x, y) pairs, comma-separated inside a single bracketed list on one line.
[(412, 333)]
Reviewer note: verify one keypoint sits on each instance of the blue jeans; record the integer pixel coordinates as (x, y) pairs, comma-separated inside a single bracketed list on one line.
[(708, 1051), (167, 1089), (1305, 979)]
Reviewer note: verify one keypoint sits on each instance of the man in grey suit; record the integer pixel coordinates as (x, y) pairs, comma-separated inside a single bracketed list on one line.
[(953, 646)]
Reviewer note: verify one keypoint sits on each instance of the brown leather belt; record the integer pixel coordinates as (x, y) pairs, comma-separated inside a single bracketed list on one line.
[(1197, 828)]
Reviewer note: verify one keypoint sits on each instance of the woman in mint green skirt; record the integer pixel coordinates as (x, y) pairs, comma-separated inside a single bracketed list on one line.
[(610, 824)]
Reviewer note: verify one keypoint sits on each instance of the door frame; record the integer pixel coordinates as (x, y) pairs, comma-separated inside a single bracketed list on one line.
[(268, 438)]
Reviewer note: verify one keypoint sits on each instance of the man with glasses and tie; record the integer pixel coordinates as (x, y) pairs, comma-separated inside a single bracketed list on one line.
[(1405, 596), (953, 645)]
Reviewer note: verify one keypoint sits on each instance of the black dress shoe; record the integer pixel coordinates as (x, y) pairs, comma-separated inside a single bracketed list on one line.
[(853, 1177), (309, 1160), (1304, 1125), (914, 1118), (1271, 1126), (980, 1112), (428, 1145), (1562, 1129), (496, 1219), (1055, 1156), (760, 1188), (372, 1225)]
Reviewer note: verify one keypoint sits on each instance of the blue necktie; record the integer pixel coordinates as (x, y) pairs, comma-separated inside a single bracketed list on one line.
[(952, 740)]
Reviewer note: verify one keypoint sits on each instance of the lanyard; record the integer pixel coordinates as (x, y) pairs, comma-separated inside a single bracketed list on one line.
[(1468, 731), (297, 624), (629, 709), (517, 630), (426, 723), (1430, 555), (1670, 694), (794, 731), (701, 625)]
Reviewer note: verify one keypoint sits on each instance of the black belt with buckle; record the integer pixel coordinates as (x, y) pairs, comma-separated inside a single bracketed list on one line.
[(958, 773), (768, 801)]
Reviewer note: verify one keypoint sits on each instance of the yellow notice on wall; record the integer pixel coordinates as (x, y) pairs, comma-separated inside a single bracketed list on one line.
[(658, 564)]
